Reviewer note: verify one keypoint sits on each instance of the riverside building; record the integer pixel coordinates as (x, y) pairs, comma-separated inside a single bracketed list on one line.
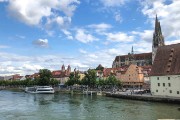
[(165, 73)]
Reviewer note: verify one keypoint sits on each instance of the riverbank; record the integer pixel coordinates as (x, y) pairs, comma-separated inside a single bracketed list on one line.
[(145, 97), (59, 90)]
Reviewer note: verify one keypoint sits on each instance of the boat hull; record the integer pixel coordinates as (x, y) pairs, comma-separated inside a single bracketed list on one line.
[(40, 90)]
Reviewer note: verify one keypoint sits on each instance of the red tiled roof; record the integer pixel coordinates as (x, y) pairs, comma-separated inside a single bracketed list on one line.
[(108, 71), (60, 73), (167, 61)]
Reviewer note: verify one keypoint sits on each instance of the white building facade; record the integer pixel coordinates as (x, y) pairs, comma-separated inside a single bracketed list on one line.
[(165, 85)]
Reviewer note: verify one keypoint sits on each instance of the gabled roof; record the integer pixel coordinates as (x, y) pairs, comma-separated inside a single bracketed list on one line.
[(108, 71), (167, 61)]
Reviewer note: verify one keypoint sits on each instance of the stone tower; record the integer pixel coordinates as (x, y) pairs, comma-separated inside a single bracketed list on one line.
[(63, 68), (158, 39), (69, 69)]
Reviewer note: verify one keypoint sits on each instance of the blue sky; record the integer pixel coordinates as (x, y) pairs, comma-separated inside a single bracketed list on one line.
[(36, 34)]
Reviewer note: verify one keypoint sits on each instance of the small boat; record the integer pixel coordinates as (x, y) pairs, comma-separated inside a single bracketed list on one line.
[(40, 89)]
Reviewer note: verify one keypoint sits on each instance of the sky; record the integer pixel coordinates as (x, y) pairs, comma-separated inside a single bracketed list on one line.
[(38, 34)]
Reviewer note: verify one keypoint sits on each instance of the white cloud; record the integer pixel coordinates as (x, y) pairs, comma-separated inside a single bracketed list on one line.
[(93, 56), (100, 27), (82, 51), (146, 35), (68, 34), (20, 36), (41, 42), (4, 46), (37, 12), (169, 42), (84, 37), (112, 3), (118, 17), (168, 14), (113, 51), (119, 37), (31, 67)]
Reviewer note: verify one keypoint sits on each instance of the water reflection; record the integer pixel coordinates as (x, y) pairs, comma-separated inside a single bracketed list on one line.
[(23, 106), (43, 98)]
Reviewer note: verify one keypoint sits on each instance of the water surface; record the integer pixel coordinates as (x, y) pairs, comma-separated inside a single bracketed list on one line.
[(24, 106)]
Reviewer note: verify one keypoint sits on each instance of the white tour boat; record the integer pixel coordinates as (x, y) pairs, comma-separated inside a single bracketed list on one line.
[(39, 89)]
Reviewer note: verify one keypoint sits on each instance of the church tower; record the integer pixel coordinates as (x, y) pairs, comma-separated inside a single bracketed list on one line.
[(158, 39), (69, 69), (63, 68)]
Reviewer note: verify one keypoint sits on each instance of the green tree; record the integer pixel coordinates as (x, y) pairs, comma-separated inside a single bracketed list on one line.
[(45, 76), (113, 81), (101, 82), (90, 78), (54, 82), (73, 79)]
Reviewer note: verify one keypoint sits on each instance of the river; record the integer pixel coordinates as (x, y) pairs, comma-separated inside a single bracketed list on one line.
[(24, 106)]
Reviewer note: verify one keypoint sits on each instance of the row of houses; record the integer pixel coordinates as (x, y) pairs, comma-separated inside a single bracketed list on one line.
[(131, 76), (13, 77)]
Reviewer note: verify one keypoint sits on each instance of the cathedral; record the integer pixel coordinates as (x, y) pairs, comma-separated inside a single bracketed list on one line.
[(142, 59)]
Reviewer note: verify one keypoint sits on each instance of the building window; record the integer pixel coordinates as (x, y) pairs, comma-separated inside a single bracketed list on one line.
[(156, 90), (158, 84), (157, 78), (163, 84), (177, 92), (168, 78), (169, 84), (170, 91)]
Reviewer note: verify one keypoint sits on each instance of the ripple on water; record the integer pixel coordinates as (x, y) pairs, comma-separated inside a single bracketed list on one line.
[(22, 106)]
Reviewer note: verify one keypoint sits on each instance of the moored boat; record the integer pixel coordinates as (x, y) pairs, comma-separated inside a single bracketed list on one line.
[(40, 89)]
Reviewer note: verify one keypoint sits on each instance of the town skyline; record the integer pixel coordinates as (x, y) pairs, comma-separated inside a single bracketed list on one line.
[(82, 34)]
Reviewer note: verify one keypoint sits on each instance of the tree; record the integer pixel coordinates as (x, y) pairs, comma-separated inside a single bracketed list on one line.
[(45, 76), (101, 82), (53, 82), (90, 78), (73, 79), (112, 81)]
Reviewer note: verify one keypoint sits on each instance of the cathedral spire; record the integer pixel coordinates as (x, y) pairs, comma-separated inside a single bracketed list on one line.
[(158, 39)]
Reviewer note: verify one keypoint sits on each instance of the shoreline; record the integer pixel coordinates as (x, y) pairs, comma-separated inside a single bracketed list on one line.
[(150, 98)]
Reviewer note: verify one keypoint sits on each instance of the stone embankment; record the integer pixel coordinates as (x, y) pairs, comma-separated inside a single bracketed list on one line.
[(145, 98)]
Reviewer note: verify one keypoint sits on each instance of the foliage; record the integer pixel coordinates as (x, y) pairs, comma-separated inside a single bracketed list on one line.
[(73, 79), (101, 82), (90, 78), (45, 76), (53, 82), (112, 81)]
